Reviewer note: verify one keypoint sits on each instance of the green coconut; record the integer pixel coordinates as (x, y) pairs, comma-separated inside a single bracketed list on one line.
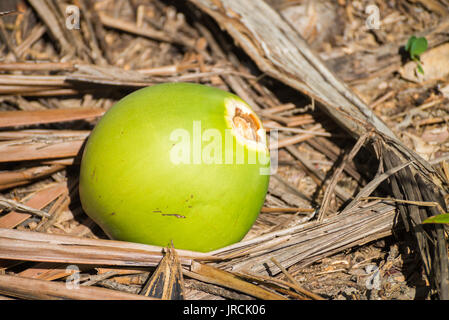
[(176, 163)]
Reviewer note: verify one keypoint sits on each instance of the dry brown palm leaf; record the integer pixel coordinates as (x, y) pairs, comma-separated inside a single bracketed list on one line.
[(309, 242), (145, 32), (210, 274), (166, 282), (36, 66), (37, 200), (28, 288), (7, 13), (14, 178), (22, 118), (45, 247), (46, 271), (280, 52), (40, 144)]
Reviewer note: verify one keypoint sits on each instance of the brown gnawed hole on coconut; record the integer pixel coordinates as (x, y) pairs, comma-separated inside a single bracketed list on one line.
[(246, 125)]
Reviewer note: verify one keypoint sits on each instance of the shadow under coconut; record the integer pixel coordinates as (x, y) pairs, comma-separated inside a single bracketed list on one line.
[(75, 206)]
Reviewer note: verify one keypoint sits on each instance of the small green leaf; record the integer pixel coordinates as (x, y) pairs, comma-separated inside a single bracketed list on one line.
[(418, 46), (420, 69), (409, 43), (441, 218)]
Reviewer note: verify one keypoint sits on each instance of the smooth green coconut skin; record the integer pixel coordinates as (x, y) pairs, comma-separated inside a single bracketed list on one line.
[(131, 188)]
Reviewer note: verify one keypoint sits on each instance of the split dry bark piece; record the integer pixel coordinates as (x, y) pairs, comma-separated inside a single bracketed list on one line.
[(167, 281), (279, 51)]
